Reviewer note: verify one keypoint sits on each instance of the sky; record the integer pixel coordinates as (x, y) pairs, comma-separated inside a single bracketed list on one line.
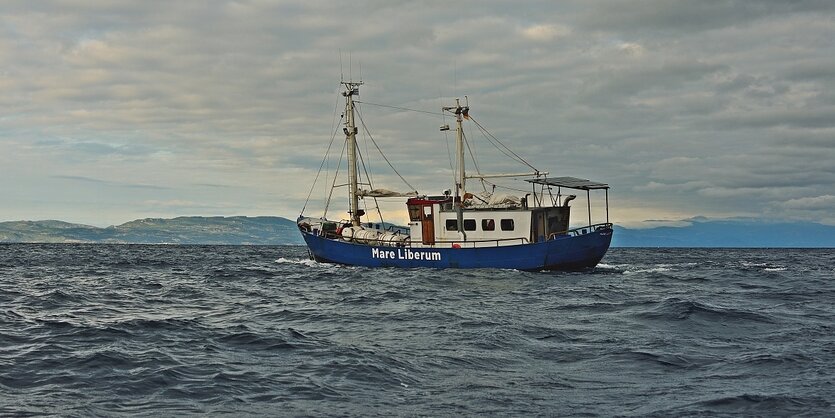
[(116, 110)]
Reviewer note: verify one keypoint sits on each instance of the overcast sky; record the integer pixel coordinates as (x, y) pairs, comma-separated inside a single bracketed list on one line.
[(111, 111)]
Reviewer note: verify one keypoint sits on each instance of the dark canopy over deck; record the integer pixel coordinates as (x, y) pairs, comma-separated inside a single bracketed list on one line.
[(570, 183), (577, 184)]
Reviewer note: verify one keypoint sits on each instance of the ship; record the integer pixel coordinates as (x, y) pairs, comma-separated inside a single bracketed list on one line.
[(457, 227)]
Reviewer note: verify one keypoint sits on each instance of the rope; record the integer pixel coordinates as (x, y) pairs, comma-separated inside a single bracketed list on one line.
[(383, 155), (319, 172), (335, 176), (370, 185), (472, 156), (401, 108), (489, 135)]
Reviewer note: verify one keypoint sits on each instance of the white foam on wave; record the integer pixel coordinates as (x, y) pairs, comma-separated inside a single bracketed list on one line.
[(657, 268), (303, 261), (764, 266), (649, 270), (311, 263), (609, 266)]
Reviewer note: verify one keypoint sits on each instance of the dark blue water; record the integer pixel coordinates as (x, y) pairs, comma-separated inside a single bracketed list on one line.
[(175, 330)]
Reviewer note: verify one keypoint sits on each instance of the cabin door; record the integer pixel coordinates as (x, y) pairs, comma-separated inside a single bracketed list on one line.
[(539, 233), (428, 224)]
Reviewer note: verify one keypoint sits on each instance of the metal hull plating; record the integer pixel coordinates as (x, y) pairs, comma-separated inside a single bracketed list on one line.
[(563, 253)]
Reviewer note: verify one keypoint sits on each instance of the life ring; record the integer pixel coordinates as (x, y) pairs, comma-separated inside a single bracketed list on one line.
[(456, 245)]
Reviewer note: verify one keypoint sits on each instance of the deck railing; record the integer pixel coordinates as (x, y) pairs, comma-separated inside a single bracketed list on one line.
[(472, 244), (575, 232)]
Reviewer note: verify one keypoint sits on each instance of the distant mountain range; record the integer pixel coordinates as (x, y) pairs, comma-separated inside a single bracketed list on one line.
[(234, 230), (729, 234), (273, 230)]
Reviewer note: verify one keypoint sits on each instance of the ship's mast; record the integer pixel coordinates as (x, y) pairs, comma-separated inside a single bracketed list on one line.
[(460, 182), (352, 89)]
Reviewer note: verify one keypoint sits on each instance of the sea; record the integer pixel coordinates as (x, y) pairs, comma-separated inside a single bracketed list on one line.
[(168, 330)]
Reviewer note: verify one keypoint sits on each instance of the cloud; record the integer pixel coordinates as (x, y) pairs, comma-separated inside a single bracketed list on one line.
[(632, 48), (826, 202), (718, 108), (543, 33), (108, 183), (689, 16)]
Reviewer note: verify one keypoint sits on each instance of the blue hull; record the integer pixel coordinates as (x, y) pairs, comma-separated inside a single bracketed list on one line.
[(563, 253)]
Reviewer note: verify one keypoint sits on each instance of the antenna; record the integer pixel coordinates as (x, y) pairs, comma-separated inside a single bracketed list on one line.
[(350, 66), (455, 77), (341, 71)]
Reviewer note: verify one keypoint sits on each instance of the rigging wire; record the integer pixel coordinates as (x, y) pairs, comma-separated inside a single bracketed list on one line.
[(497, 186), (335, 176), (470, 150), (472, 156), (514, 155), (504, 149), (320, 172), (448, 152), (401, 108), (370, 185), (365, 142), (334, 123), (381, 153)]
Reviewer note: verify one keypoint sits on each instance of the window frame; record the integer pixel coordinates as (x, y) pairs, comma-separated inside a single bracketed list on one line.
[(453, 223), (488, 224)]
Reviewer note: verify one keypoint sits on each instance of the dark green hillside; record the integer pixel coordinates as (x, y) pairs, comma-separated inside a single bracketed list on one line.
[(235, 230)]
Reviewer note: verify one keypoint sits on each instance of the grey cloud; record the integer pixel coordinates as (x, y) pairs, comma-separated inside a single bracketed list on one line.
[(613, 84), (687, 16), (798, 118), (82, 179), (108, 183), (683, 106), (825, 202)]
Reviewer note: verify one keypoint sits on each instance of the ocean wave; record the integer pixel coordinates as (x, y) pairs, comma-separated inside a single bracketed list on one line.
[(311, 263), (125, 330), (659, 269), (681, 309), (767, 359), (763, 266), (611, 267), (763, 404), (667, 360)]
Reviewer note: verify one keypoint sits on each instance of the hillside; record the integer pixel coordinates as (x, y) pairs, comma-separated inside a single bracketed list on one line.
[(730, 234), (272, 230), (235, 230)]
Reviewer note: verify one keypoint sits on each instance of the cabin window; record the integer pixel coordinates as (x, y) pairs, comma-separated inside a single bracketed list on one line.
[(507, 224), (451, 224), (414, 212), (469, 224), (427, 212), (488, 225), (556, 224)]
